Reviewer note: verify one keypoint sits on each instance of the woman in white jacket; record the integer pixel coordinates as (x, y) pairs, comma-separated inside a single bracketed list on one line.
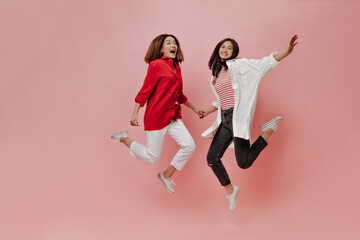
[(235, 83)]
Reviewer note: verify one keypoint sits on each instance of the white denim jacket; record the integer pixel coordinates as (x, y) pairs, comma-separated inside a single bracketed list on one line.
[(246, 75)]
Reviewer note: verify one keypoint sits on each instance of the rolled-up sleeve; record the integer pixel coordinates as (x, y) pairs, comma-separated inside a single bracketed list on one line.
[(149, 85), (215, 104), (182, 98)]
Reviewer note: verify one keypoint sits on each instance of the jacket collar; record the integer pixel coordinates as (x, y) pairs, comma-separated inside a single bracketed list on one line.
[(170, 60), (164, 58)]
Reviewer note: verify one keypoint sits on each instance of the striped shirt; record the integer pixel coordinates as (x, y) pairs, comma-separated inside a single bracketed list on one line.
[(223, 88)]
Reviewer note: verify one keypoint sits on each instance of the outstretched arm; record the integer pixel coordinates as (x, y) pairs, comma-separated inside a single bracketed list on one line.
[(208, 111), (197, 110), (279, 56)]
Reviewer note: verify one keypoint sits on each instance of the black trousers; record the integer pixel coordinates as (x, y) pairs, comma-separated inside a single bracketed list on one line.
[(244, 153)]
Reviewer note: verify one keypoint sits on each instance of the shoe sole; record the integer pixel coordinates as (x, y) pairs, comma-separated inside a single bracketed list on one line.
[(167, 189), (277, 119), (236, 196)]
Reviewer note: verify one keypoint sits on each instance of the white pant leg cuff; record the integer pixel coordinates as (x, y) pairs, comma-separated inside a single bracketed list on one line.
[(131, 150), (179, 168)]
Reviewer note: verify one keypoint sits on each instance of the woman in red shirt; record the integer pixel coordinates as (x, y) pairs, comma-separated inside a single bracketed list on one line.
[(162, 91)]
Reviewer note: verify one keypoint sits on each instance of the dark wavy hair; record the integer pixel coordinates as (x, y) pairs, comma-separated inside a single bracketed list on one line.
[(215, 62), (154, 50)]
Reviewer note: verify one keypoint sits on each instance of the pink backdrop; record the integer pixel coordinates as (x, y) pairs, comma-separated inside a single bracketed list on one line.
[(70, 70)]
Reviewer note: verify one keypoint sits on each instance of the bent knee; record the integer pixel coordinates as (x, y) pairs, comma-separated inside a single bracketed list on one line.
[(189, 148), (244, 166), (211, 159), (212, 156), (153, 159), (192, 147)]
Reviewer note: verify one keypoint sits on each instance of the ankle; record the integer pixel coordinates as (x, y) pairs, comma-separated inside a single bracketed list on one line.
[(266, 134), (268, 131), (169, 172), (229, 189), (166, 175)]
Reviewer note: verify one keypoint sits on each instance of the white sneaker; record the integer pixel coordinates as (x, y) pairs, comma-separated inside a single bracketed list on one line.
[(272, 124), (233, 198), (167, 183), (117, 136)]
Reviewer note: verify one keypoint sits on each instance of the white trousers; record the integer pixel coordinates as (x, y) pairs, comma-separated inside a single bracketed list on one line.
[(154, 141)]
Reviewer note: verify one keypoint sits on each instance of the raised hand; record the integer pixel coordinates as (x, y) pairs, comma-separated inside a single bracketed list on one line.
[(292, 44), (283, 54)]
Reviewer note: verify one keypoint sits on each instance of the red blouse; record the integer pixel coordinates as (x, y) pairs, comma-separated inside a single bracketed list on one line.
[(162, 90)]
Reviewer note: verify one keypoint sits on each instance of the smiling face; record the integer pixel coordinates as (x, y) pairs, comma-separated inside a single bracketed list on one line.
[(226, 50), (169, 47)]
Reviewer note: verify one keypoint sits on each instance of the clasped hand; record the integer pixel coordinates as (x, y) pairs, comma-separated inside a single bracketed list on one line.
[(200, 112)]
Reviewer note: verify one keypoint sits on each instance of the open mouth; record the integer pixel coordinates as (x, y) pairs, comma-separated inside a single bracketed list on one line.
[(173, 51)]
